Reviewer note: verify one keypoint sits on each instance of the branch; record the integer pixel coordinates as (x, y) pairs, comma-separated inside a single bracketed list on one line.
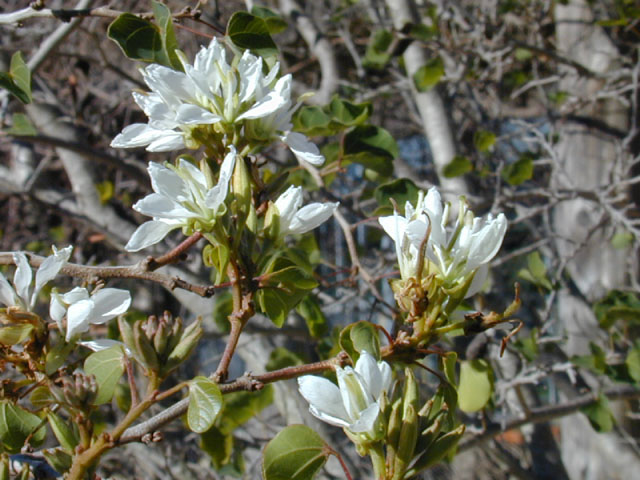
[(139, 271), (550, 412)]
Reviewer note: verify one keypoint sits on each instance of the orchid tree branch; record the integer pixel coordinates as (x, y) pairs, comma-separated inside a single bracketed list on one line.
[(139, 271)]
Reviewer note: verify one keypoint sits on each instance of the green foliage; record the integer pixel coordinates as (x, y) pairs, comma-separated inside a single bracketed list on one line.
[(143, 40), (282, 357), (459, 165), (296, 453), (107, 366), (205, 404), (519, 171), (476, 385), (372, 147), (536, 271), (275, 23), (313, 316), (252, 32), (65, 434), (622, 240), (15, 334), (18, 79), (22, 126), (17, 425), (377, 54), (528, 346), (331, 119), (484, 140), (217, 256), (287, 278), (429, 75), (599, 415), (402, 190), (617, 306), (364, 337)]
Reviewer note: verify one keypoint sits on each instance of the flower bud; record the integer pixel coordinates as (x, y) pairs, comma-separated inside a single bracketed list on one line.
[(188, 340)]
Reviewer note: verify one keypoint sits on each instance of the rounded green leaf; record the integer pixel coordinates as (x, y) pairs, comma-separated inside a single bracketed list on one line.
[(14, 334), (364, 336), (484, 140), (428, 75), (251, 32), (402, 190), (476, 385), (18, 79), (296, 453), (275, 23), (63, 432), (16, 425), (139, 39), (107, 366), (459, 165), (205, 403), (371, 146), (519, 171)]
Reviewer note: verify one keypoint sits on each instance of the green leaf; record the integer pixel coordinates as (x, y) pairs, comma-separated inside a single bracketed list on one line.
[(347, 114), (528, 346), (139, 39), (422, 32), (599, 415), (312, 121), (18, 80), (251, 32), (633, 362), (346, 344), (15, 334), (22, 126), (364, 337), (622, 240), (41, 397), (275, 23), (218, 445), (296, 453), (428, 75), (519, 171), (205, 403), (476, 385), (536, 272), (107, 366), (459, 165), (163, 17), (239, 407), (16, 425), (484, 140), (60, 460), (377, 55), (596, 362), (437, 451), (63, 432), (216, 256), (282, 357), (313, 316), (105, 191), (402, 190), (371, 146), (522, 54), (617, 306)]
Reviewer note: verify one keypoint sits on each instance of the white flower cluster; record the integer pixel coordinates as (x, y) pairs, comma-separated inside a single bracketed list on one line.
[(212, 92), (454, 252)]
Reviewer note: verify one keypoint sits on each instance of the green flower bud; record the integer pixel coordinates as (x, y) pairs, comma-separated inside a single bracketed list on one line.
[(143, 347), (241, 185), (189, 339), (406, 443)]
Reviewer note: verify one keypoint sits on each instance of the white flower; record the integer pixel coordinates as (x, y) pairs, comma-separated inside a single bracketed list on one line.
[(454, 251), (183, 195), (21, 295), (295, 220), (355, 403), (237, 98), (82, 310)]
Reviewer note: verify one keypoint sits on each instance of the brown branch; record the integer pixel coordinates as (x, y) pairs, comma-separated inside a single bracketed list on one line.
[(551, 412), (245, 383), (139, 271)]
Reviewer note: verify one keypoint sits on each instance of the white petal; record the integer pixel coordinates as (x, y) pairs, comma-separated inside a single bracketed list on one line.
[(194, 176), (108, 303), (478, 280), (7, 294), (147, 234), (311, 216), (57, 309), (324, 396), (303, 149), (173, 86), (288, 204), (385, 371), (189, 114), (167, 141), (367, 420), (137, 135), (153, 106), (416, 232), (50, 268), (103, 344), (215, 197), (22, 277), (394, 226), (75, 295), (487, 242), (367, 368), (167, 182), (77, 318), (270, 103), (158, 206)]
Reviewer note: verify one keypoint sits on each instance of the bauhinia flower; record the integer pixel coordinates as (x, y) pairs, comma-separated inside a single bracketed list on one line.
[(355, 403), (83, 310), (293, 218), (184, 197), (213, 99), (21, 295), (455, 252)]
